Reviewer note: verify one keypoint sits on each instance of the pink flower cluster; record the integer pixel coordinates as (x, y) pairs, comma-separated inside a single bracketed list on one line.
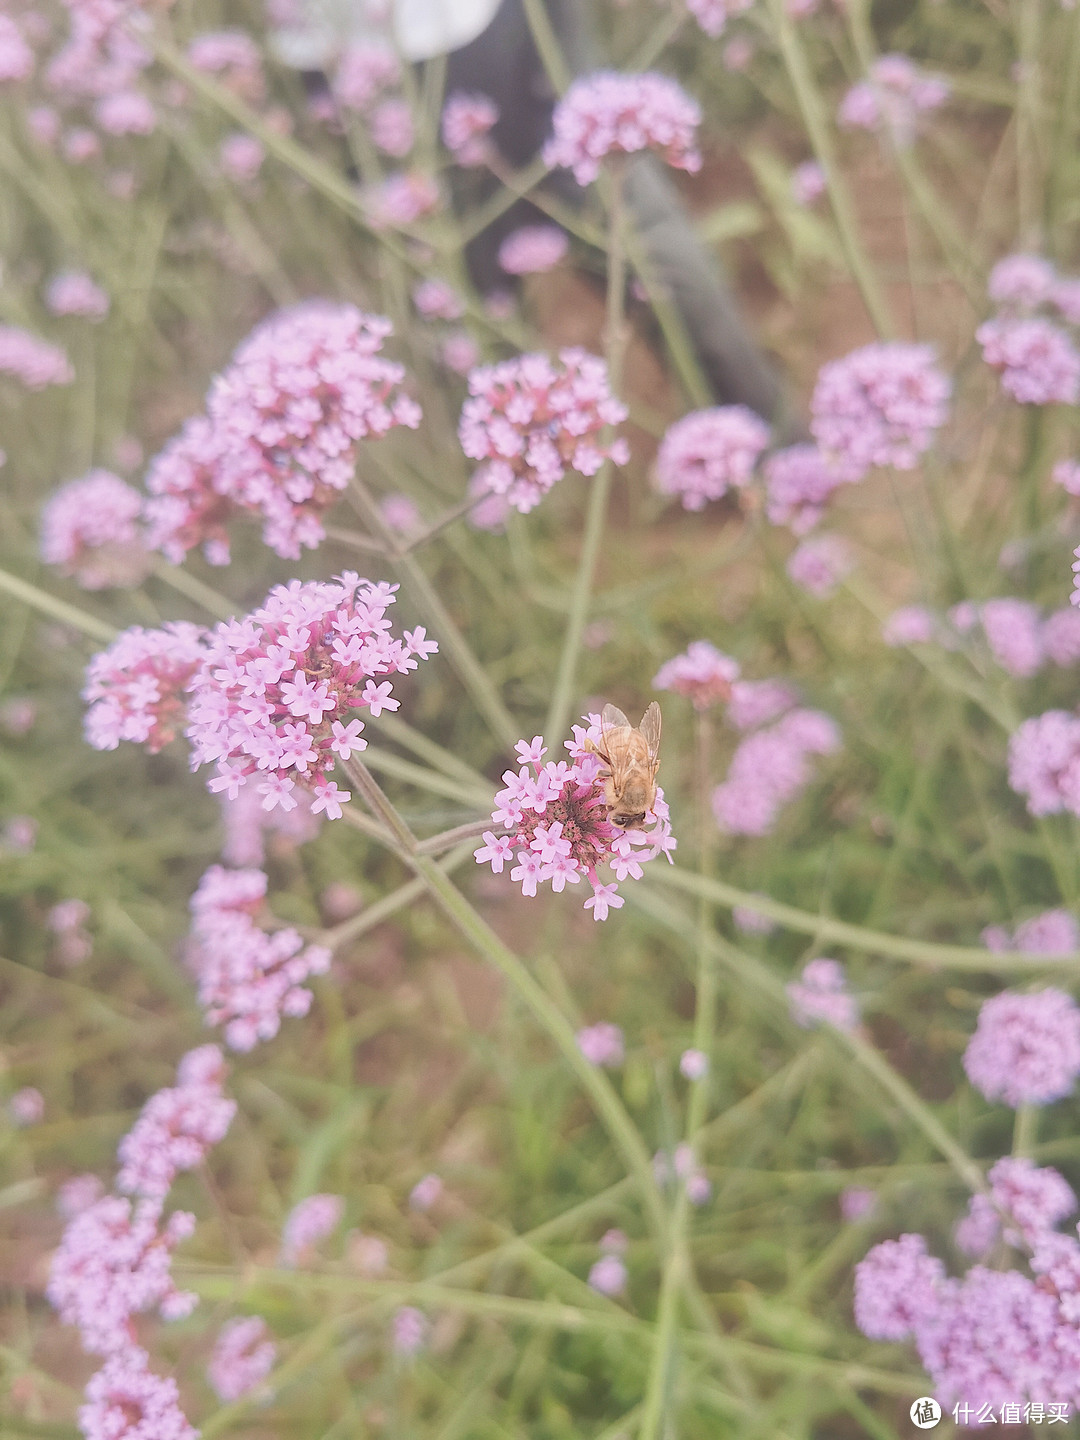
[(529, 420), (246, 825), (281, 435), (533, 249), (16, 56), (308, 1222), (798, 484), (556, 818), (234, 57), (713, 15), (821, 996), (1044, 762), (709, 452), (602, 1043), (820, 563), (608, 113), (90, 529), (248, 978), (102, 57), (1054, 932), (769, 769), (74, 293), (242, 1358), (994, 1337), (436, 300), (1017, 635), (893, 97), (1038, 360), (466, 122), (125, 1400), (879, 405), (1026, 1047), (364, 71), (112, 1263), (403, 199), (31, 360), (134, 688), (278, 696), (704, 674), (1036, 1199), (289, 413), (114, 1259), (177, 1127), (682, 1165)]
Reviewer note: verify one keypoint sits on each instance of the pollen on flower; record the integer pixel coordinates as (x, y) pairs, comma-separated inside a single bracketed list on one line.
[(276, 704), (248, 979), (530, 420), (608, 113), (554, 816)]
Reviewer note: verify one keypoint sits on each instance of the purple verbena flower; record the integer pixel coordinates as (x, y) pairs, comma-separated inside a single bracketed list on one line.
[(307, 1223), (134, 689), (703, 674), (709, 452), (1026, 1047), (125, 1400), (533, 249), (821, 996), (242, 1357), (90, 529), (176, 1128), (609, 113)]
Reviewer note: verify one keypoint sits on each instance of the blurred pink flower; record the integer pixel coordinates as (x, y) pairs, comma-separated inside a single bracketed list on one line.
[(306, 1224), (31, 360), (807, 183), (126, 1401), (609, 113), (602, 1043), (392, 127), (820, 563), (798, 483), (821, 996), (713, 15), (176, 1127), (769, 769), (26, 1107), (242, 1358), (709, 452), (436, 300), (410, 1329), (1026, 1047), (1039, 364), (703, 674), (466, 121), (74, 293), (363, 72), (608, 1276), (241, 157), (533, 249), (90, 529), (1044, 763)]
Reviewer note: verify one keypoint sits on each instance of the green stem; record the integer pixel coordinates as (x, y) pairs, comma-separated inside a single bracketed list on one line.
[(825, 929), (187, 585), (469, 670), (656, 1405), (1025, 1130), (562, 696), (547, 44), (57, 609), (812, 108), (479, 934)]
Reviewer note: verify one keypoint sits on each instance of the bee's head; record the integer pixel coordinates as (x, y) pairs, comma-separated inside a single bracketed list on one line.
[(629, 821)]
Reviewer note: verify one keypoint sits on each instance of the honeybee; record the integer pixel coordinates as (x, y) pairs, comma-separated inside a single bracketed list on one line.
[(631, 756)]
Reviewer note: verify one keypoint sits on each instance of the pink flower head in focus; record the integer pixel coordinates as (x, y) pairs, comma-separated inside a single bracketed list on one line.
[(1038, 362), (602, 1043), (307, 1223), (704, 674), (277, 702), (466, 122), (820, 563), (74, 293), (709, 452), (113, 1263), (556, 818), (769, 769), (289, 413), (821, 996), (134, 688), (90, 529), (242, 1357), (31, 360), (176, 1128), (798, 483), (248, 978), (1026, 1047), (529, 420), (608, 113), (125, 1400), (879, 405), (533, 249)]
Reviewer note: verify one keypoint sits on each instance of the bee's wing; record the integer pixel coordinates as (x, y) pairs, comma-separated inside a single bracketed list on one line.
[(650, 729), (611, 717)]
